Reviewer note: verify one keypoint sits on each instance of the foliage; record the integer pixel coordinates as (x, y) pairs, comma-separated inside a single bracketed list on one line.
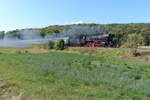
[(123, 30), (146, 38), (117, 40), (60, 44), (120, 32), (54, 29), (2, 33), (133, 41), (50, 44)]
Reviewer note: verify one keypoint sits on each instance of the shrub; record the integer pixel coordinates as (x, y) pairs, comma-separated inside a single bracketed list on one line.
[(60, 44), (50, 44), (26, 51), (133, 41), (18, 52)]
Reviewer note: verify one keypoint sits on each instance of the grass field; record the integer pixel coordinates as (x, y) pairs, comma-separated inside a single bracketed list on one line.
[(88, 75)]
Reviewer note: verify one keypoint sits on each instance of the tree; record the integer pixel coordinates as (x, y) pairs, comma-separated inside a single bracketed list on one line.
[(60, 44), (133, 41), (117, 39), (2, 34), (50, 44), (147, 38)]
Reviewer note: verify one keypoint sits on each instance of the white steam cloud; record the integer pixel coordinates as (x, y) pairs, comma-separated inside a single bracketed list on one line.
[(29, 37)]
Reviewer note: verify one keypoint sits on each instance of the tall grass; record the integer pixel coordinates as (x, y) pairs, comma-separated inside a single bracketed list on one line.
[(69, 76)]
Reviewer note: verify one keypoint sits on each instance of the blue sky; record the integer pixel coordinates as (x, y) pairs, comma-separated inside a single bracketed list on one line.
[(17, 14)]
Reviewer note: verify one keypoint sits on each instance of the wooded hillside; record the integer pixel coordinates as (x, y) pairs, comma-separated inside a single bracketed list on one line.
[(120, 31)]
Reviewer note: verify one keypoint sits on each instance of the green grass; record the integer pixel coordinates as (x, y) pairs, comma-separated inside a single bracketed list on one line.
[(103, 52), (70, 76)]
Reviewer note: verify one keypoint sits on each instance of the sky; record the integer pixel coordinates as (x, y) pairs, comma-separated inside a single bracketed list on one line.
[(18, 14)]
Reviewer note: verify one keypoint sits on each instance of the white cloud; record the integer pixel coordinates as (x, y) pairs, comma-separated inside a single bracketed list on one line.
[(77, 22)]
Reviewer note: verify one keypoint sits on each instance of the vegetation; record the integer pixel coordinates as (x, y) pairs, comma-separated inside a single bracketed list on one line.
[(45, 76), (83, 73), (2, 33), (133, 41), (50, 44), (119, 32), (54, 29), (60, 45)]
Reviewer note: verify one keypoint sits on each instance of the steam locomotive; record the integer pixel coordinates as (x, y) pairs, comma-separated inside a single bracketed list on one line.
[(89, 41)]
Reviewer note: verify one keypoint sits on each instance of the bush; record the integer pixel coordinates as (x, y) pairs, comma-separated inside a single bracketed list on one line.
[(133, 41), (50, 44), (60, 45)]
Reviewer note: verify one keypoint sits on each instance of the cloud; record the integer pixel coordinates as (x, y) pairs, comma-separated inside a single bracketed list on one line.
[(77, 22)]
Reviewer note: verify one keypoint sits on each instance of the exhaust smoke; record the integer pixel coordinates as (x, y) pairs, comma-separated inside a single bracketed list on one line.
[(28, 37)]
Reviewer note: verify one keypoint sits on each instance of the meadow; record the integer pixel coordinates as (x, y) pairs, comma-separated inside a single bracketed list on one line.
[(73, 74)]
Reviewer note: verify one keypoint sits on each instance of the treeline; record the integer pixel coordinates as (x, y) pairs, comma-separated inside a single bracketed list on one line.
[(123, 31), (120, 32)]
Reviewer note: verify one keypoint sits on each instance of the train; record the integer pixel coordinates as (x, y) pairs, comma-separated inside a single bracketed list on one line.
[(96, 40)]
